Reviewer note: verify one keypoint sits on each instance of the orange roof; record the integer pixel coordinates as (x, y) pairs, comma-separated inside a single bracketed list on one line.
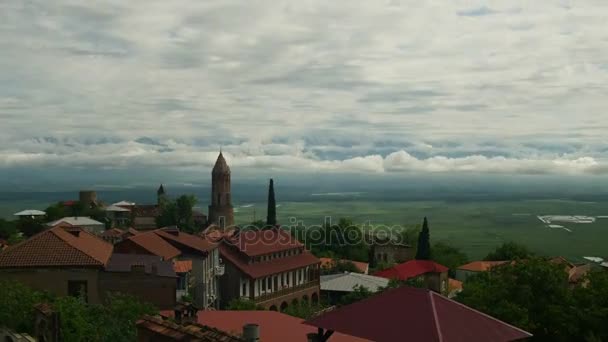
[(481, 266), (190, 332), (114, 232), (182, 266), (274, 326), (56, 247), (155, 245), (454, 284), (192, 241), (363, 267)]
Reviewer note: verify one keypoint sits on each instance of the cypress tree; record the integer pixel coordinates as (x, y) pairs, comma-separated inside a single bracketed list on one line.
[(423, 252), (271, 218)]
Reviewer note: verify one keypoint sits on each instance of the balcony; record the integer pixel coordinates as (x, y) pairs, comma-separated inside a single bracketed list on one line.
[(286, 290)]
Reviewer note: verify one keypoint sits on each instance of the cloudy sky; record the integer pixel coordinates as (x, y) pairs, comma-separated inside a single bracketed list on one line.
[(312, 85)]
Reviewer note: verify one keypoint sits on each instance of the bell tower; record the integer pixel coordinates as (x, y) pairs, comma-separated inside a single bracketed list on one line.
[(220, 210)]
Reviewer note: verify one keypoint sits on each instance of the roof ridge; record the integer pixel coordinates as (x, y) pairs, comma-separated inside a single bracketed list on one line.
[(72, 245), (435, 317)]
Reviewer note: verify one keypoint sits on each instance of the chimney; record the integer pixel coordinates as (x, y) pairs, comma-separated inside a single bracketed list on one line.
[(251, 333)]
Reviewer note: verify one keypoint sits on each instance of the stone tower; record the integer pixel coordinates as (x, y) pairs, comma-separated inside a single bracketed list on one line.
[(220, 210)]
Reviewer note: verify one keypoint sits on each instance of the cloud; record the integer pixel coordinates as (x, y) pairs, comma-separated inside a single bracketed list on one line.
[(331, 86)]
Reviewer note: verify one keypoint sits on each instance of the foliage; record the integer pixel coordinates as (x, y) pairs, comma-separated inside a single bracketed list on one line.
[(509, 251), (243, 304), (359, 293), (423, 250), (535, 295), (340, 267), (57, 211), (303, 309), (178, 212), (30, 226), (113, 321), (409, 236), (448, 256), (271, 218), (7, 228)]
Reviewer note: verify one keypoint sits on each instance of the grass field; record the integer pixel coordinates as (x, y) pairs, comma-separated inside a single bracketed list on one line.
[(475, 226)]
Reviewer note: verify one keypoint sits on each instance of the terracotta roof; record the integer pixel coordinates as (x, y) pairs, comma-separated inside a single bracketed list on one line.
[(182, 266), (412, 314), (132, 231), (411, 269), (192, 241), (260, 242), (152, 264), (455, 285), (56, 247), (220, 165), (363, 267), (274, 326), (154, 244), (190, 332), (144, 210), (261, 269), (481, 266)]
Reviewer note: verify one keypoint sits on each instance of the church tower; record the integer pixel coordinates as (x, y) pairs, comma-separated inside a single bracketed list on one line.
[(220, 210)]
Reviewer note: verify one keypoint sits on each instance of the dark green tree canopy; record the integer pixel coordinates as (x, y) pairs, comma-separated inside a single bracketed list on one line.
[(509, 251), (271, 218), (423, 250)]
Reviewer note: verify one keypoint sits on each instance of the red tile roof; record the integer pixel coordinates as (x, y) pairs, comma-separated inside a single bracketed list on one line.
[(56, 247), (363, 267), (144, 210), (411, 269), (264, 268), (182, 266), (412, 314), (481, 266), (260, 242), (114, 232), (192, 241), (191, 332), (155, 245), (274, 326)]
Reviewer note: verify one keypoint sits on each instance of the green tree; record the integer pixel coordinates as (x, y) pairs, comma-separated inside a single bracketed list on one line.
[(359, 293), (340, 267), (509, 251), (7, 228), (423, 250), (303, 309), (271, 217), (30, 226), (178, 212), (533, 295), (243, 304), (448, 256), (56, 211)]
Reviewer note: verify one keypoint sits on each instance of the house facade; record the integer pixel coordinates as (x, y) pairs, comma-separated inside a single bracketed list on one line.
[(270, 268)]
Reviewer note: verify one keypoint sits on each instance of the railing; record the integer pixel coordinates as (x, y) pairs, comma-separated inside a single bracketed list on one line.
[(286, 290)]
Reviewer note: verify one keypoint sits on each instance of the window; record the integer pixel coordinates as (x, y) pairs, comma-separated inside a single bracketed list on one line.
[(182, 281), (264, 285), (244, 288), (78, 288)]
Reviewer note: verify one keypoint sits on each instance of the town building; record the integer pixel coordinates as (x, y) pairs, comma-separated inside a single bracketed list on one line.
[(70, 261), (221, 212), (30, 213), (172, 244), (476, 267), (117, 216), (335, 286), (576, 272), (92, 226), (413, 314), (433, 275), (388, 251), (115, 235), (268, 267)]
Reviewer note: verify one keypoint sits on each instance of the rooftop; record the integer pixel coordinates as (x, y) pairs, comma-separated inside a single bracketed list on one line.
[(58, 247), (220, 165), (30, 212), (182, 266), (76, 221), (346, 282), (170, 242), (274, 326), (481, 266), (191, 332), (411, 269), (116, 208), (412, 314)]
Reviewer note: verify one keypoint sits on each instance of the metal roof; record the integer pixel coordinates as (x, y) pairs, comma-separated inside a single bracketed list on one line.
[(346, 282), (76, 221), (115, 208), (30, 212)]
